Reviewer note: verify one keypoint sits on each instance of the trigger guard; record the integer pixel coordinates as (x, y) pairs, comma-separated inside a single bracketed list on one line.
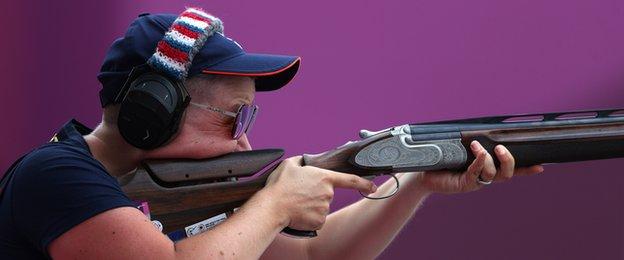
[(396, 189)]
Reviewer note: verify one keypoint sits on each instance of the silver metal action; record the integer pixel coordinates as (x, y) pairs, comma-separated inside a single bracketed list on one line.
[(402, 154)]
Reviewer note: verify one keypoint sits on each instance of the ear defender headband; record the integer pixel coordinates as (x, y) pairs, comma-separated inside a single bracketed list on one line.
[(153, 98)]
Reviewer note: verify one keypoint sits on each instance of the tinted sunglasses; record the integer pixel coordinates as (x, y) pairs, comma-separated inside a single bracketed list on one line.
[(244, 117)]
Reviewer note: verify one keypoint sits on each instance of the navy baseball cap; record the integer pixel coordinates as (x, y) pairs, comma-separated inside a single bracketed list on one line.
[(219, 55)]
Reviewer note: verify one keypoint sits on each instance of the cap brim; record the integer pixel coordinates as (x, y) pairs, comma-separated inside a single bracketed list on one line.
[(271, 71)]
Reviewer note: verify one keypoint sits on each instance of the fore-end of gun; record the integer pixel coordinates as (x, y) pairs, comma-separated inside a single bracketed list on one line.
[(532, 146)]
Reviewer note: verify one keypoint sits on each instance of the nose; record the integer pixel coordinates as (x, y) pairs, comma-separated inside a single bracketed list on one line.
[(243, 143)]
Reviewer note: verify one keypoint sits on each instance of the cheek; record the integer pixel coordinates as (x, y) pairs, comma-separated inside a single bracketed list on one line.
[(210, 147), (196, 144), (204, 144)]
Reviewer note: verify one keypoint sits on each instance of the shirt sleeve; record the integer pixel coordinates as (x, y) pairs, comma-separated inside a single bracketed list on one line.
[(56, 188)]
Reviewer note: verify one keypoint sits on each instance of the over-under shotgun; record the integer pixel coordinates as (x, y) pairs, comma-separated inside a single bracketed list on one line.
[(183, 192)]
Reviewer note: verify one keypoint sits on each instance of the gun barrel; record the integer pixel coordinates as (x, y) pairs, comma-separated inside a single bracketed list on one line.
[(520, 121)]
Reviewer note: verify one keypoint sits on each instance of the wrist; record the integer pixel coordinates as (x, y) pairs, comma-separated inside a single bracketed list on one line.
[(269, 200), (416, 183)]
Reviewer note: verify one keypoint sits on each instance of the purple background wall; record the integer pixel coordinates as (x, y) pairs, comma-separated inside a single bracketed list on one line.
[(372, 64)]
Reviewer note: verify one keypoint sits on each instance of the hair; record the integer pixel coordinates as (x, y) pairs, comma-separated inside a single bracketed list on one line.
[(195, 85)]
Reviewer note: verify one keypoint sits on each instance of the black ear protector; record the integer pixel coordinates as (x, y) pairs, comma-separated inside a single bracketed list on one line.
[(153, 97), (152, 106)]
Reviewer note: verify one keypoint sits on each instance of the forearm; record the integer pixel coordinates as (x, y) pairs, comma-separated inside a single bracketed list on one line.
[(368, 225), (245, 235)]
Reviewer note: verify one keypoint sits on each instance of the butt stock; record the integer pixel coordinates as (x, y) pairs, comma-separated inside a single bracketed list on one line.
[(184, 192)]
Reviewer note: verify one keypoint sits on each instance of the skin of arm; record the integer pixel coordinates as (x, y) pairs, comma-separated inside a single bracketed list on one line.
[(371, 225), (348, 228), (125, 233), (294, 196)]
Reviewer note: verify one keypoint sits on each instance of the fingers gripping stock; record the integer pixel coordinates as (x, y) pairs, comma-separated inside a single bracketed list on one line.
[(343, 180), (291, 231)]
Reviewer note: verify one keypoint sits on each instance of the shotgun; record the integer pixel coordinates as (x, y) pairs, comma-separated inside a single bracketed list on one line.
[(183, 192)]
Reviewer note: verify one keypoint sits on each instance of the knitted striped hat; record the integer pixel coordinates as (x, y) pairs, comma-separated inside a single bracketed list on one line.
[(188, 33), (186, 45)]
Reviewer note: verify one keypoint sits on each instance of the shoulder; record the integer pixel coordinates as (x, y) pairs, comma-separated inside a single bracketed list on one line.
[(56, 161), (57, 187), (59, 154), (59, 172)]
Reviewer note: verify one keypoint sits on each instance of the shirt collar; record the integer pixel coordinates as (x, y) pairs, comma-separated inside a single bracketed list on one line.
[(72, 131)]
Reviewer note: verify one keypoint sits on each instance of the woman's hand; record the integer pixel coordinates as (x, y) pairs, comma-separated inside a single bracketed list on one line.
[(483, 166), (302, 194)]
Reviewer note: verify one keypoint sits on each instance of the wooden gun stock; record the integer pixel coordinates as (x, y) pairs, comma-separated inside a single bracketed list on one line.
[(184, 192)]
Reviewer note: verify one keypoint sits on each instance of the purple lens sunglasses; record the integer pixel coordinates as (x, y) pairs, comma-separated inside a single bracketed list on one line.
[(244, 117)]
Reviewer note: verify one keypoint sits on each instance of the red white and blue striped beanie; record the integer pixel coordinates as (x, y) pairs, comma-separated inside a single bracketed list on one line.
[(186, 36)]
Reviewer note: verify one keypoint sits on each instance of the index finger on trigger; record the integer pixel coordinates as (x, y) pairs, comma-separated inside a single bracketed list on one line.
[(350, 181)]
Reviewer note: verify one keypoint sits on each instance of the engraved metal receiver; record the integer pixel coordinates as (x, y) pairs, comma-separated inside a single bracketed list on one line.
[(404, 153)]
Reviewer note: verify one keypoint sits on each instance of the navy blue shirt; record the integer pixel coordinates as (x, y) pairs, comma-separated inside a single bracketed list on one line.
[(54, 188)]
